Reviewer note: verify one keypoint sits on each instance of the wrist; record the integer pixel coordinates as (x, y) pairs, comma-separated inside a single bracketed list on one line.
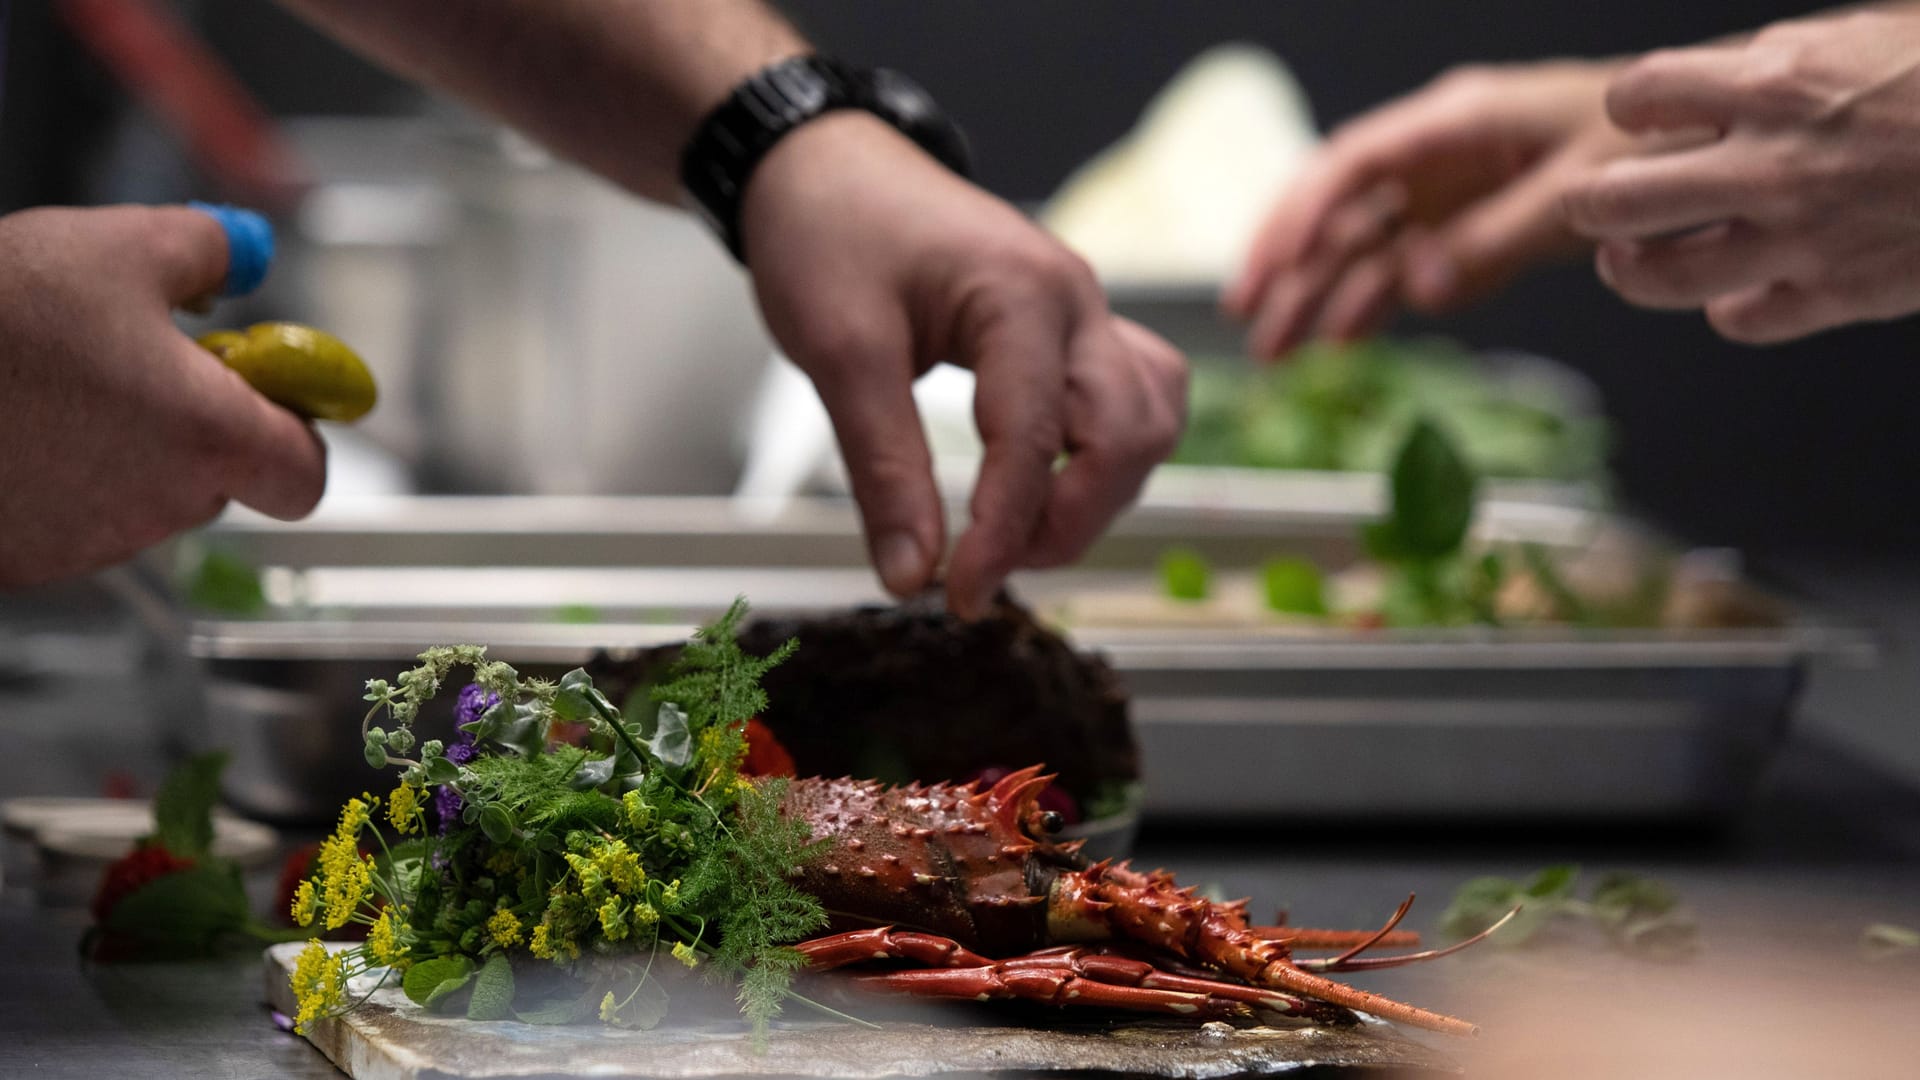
[(771, 108)]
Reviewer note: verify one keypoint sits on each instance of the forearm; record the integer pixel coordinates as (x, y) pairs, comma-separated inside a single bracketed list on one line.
[(617, 85)]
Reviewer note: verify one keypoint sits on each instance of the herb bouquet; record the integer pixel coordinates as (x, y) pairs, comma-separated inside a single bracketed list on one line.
[(545, 881)]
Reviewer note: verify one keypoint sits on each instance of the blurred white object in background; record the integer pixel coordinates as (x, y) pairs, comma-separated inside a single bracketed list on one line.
[(790, 447), (1176, 201)]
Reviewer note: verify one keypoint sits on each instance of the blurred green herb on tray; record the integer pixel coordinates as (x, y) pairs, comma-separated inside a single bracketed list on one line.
[(1345, 407), (1185, 574), (222, 583), (1640, 915), (171, 898)]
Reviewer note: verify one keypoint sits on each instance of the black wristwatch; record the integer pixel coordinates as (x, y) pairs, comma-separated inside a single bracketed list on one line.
[(721, 157)]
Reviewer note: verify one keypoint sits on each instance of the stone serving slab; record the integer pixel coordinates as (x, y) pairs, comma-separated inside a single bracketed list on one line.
[(390, 1038)]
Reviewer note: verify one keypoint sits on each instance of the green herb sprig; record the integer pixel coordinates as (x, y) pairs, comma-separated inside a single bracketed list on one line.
[(591, 862)]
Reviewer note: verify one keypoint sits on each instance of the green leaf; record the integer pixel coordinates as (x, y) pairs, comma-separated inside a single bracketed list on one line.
[(496, 822), (565, 1009), (226, 584), (1553, 883), (441, 771), (592, 774), (493, 990), (430, 981), (577, 614), (1295, 586), (183, 809), (671, 743), (644, 1009), (1433, 490), (1185, 575), (183, 913), (1620, 897)]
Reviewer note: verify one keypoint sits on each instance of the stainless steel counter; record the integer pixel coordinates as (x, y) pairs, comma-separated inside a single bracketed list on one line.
[(1832, 847)]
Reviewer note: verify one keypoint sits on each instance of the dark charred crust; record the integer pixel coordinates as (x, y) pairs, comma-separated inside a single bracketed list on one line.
[(911, 693)]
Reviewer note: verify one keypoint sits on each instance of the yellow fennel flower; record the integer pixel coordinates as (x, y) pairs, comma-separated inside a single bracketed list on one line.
[(612, 924), (639, 811), (319, 984), (403, 808), (303, 903), (504, 928), (609, 1012), (539, 944), (344, 879), (684, 953), (354, 816), (383, 942), (621, 866)]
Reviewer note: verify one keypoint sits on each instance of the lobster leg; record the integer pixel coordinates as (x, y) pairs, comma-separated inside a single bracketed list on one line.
[(1051, 986), (886, 943)]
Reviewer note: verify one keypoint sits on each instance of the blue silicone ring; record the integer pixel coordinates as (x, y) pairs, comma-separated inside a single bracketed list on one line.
[(249, 246)]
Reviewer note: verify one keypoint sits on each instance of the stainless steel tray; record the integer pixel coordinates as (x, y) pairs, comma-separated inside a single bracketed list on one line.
[(1246, 722)]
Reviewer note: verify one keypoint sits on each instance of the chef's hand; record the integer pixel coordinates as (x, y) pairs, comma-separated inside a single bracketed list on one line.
[(1797, 205), (873, 263), (118, 430), (1434, 200)]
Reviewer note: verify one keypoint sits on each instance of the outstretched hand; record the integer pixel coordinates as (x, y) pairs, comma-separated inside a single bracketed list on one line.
[(873, 263), (1792, 206), (1432, 201), (120, 430)]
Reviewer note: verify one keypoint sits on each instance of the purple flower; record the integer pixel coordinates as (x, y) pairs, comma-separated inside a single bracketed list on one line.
[(473, 701)]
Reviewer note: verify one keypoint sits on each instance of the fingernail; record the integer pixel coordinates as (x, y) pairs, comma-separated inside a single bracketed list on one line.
[(1603, 264), (1434, 275), (901, 563)]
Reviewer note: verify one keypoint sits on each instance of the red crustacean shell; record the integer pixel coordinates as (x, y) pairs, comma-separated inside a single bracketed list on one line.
[(947, 859)]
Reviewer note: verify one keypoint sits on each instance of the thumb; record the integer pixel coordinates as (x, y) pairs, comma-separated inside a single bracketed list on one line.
[(1488, 244), (868, 392), (183, 249)]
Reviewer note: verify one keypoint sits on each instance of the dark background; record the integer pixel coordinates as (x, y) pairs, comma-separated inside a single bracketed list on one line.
[(1802, 446)]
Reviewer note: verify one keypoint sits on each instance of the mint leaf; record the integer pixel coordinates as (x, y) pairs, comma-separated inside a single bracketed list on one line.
[(183, 809), (1433, 490), (1294, 586), (1185, 575), (430, 981), (493, 990)]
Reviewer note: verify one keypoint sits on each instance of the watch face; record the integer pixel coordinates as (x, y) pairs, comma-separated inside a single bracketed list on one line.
[(901, 96)]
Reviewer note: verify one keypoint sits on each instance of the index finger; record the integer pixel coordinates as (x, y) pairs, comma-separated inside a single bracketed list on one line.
[(1705, 87), (1018, 405), (1356, 159), (1647, 196)]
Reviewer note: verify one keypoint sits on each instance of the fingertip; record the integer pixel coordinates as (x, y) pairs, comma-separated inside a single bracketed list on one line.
[(905, 565)]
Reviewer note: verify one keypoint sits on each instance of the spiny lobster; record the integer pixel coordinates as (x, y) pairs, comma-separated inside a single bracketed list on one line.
[(966, 884)]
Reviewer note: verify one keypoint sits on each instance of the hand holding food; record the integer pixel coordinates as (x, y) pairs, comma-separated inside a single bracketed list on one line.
[(873, 263), (1791, 211), (120, 430), (1433, 201)]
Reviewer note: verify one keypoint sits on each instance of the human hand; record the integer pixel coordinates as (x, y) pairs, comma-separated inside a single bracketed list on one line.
[(873, 263), (1434, 200), (1794, 209), (119, 429)]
